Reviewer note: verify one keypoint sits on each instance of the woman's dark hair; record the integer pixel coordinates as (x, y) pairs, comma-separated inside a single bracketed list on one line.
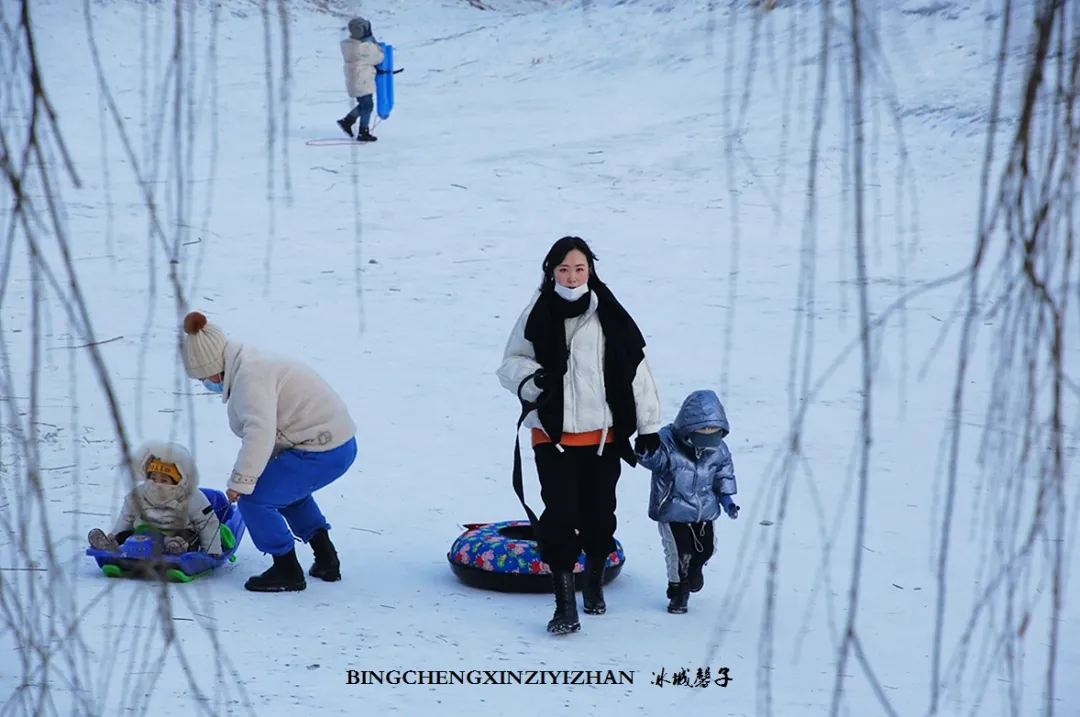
[(558, 252)]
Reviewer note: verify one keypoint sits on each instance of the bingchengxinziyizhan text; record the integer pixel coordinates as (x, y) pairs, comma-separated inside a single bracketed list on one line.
[(489, 677)]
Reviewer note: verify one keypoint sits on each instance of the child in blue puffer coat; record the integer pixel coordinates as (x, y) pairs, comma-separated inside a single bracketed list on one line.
[(693, 479)]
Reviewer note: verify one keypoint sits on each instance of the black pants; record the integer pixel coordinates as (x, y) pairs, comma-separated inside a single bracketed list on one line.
[(578, 490), (686, 543)]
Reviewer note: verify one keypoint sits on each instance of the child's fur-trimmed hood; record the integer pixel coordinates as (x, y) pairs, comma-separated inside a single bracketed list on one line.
[(170, 453)]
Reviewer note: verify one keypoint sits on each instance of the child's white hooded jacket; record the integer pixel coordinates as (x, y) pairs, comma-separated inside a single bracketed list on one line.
[(170, 508), (360, 53)]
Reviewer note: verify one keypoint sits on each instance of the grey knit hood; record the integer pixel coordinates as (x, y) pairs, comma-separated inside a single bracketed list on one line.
[(360, 29)]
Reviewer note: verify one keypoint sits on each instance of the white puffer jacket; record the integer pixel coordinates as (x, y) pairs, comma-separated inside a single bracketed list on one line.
[(170, 509), (276, 404), (360, 61), (584, 406)]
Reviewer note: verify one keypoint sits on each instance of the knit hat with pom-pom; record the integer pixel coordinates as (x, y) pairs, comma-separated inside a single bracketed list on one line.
[(203, 349)]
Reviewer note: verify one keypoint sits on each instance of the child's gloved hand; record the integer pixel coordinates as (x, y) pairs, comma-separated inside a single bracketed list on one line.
[(732, 510), (647, 443)]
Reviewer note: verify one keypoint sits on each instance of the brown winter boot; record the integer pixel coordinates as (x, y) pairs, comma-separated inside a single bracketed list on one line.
[(175, 545), (100, 541)]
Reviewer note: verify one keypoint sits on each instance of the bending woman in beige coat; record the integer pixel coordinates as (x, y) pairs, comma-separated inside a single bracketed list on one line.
[(297, 437)]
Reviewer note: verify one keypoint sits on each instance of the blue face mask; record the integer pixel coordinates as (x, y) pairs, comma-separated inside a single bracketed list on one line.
[(213, 387), (706, 441)]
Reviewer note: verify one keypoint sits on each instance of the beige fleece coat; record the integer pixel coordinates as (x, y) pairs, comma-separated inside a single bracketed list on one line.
[(360, 59), (276, 404)]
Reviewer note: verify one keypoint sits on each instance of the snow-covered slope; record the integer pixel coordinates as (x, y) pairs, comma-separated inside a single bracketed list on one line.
[(397, 270)]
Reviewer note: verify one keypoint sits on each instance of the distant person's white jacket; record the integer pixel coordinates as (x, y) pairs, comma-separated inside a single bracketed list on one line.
[(276, 404), (360, 61)]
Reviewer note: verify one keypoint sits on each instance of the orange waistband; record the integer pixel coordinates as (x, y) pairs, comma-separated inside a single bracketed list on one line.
[(589, 438)]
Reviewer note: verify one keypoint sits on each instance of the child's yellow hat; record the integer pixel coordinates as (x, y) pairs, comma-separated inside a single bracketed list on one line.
[(156, 465)]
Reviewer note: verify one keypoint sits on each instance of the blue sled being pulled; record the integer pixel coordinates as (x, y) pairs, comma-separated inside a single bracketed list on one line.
[(141, 554), (384, 82)]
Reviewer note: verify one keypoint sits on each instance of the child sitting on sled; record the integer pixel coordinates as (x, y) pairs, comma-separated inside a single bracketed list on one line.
[(693, 479), (361, 53), (168, 501)]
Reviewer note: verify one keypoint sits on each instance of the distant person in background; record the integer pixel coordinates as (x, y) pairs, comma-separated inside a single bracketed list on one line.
[(578, 355), (296, 437), (361, 53)]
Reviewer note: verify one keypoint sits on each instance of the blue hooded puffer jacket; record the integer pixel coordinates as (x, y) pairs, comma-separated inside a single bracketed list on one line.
[(688, 485)]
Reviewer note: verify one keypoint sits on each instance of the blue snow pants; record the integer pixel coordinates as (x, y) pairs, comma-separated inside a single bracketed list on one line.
[(365, 105), (282, 502)]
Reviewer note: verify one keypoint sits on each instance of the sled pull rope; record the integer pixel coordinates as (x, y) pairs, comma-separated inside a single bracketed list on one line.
[(527, 407)]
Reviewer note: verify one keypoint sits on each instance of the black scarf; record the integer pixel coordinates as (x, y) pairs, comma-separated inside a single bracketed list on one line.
[(623, 352)]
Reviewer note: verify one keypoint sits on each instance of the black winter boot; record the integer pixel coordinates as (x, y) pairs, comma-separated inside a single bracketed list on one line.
[(364, 135), (592, 596), (696, 578), (285, 575), (326, 566), (565, 619), (346, 124), (679, 595)]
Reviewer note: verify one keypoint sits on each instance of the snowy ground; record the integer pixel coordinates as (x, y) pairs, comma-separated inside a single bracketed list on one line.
[(512, 129)]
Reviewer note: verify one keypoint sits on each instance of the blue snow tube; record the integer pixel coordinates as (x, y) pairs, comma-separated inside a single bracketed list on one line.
[(384, 82), (141, 554), (505, 557)]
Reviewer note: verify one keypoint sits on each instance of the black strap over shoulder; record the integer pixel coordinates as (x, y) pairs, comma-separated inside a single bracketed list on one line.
[(527, 407)]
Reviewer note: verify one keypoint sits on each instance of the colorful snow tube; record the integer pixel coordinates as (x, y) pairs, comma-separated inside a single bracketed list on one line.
[(505, 557), (141, 555)]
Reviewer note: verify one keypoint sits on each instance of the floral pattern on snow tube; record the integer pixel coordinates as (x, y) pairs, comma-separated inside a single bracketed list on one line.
[(505, 557)]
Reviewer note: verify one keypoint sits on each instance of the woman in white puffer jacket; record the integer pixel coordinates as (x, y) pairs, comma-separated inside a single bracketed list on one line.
[(361, 53), (296, 437), (577, 355)]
